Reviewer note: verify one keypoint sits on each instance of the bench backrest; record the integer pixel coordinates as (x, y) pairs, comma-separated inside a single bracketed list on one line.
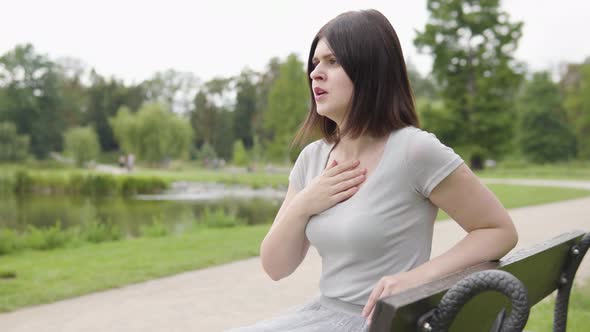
[(538, 267)]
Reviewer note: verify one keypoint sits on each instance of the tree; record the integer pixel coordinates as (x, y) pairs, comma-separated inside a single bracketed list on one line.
[(172, 88), (543, 133), (30, 97), (212, 119), (240, 156), (82, 144), (105, 98), (245, 109), (422, 87), (287, 107), (13, 147), (473, 43), (153, 134), (576, 87)]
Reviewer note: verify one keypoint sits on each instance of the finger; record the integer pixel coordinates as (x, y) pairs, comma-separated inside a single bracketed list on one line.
[(347, 175), (349, 183), (332, 164), (342, 167), (370, 317), (344, 195), (375, 294)]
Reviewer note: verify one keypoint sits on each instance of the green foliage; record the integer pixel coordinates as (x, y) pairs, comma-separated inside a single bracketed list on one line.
[(212, 119), (97, 232), (31, 98), (172, 88), (46, 239), (23, 182), (245, 109), (287, 107), (13, 147), (576, 87), (89, 184), (207, 152), (473, 44), (436, 118), (9, 241), (422, 87), (217, 218), (240, 154), (104, 98), (153, 134), (134, 185), (543, 133), (82, 144), (155, 229)]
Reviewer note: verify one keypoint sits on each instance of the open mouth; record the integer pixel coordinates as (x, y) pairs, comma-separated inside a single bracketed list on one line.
[(318, 92)]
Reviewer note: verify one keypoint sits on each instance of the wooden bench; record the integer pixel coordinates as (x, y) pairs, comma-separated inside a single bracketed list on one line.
[(492, 296)]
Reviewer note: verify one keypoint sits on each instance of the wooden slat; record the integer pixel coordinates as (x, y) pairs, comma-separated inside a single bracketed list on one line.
[(537, 267)]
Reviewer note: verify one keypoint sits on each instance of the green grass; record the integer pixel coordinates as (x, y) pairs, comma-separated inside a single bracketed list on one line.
[(541, 317), (35, 277), (566, 171), (513, 196)]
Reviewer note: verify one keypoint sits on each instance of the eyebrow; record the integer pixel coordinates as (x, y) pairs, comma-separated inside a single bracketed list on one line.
[(325, 56)]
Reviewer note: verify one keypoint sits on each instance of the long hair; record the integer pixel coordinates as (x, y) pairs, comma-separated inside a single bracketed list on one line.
[(367, 47)]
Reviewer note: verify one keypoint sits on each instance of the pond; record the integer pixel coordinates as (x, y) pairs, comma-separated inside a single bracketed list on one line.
[(17, 212)]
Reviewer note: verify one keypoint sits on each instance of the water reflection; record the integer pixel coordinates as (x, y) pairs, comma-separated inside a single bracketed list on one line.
[(130, 214)]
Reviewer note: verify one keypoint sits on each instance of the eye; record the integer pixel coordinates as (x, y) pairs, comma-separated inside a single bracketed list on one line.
[(333, 61)]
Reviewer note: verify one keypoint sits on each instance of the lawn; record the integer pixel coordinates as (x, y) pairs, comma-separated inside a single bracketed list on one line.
[(541, 317), (513, 196), (46, 276)]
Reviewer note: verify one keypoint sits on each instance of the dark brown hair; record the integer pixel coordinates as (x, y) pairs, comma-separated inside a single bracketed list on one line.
[(366, 46)]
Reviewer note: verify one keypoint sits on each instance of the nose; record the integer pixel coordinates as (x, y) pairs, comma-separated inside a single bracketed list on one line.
[(317, 74)]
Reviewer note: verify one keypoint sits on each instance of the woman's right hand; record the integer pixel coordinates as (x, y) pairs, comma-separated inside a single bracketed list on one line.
[(337, 183)]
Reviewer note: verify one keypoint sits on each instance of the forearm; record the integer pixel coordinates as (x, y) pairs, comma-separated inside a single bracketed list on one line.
[(477, 246), (284, 247)]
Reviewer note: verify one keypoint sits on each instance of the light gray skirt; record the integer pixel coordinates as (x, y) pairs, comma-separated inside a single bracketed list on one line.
[(321, 314)]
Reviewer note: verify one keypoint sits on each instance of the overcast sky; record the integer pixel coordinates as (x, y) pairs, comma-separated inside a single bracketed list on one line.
[(133, 39)]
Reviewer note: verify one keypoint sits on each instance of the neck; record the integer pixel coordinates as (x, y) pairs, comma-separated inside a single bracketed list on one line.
[(353, 148)]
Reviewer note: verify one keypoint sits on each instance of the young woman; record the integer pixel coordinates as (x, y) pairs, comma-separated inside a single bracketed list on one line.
[(367, 194)]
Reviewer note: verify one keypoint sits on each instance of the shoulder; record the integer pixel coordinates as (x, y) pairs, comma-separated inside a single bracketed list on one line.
[(314, 150), (421, 143)]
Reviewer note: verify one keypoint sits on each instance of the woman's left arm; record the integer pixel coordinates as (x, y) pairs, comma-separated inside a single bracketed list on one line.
[(490, 233)]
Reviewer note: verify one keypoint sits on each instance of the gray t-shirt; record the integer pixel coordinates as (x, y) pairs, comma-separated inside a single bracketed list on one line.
[(386, 227)]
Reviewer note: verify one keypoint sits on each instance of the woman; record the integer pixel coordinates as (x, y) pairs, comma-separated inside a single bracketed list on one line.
[(367, 194)]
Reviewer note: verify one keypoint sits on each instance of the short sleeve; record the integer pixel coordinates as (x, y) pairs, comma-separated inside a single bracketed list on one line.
[(429, 161), (297, 175)]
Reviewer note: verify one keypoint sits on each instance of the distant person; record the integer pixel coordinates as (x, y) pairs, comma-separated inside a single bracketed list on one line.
[(130, 162), (122, 161), (366, 195)]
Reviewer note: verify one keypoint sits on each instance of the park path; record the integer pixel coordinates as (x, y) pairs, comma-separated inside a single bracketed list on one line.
[(240, 293)]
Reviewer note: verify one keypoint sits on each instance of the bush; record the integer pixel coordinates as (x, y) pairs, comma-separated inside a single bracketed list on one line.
[(46, 239), (155, 229), (23, 182), (219, 219), (82, 144), (239, 153), (9, 241), (13, 147), (96, 232)]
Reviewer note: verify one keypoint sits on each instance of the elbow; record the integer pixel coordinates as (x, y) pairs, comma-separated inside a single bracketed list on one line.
[(272, 273), (512, 238), (269, 268)]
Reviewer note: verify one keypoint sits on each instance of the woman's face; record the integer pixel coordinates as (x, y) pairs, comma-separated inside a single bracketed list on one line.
[(332, 88)]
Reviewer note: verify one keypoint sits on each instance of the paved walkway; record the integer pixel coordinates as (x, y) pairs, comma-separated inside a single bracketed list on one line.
[(239, 293)]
